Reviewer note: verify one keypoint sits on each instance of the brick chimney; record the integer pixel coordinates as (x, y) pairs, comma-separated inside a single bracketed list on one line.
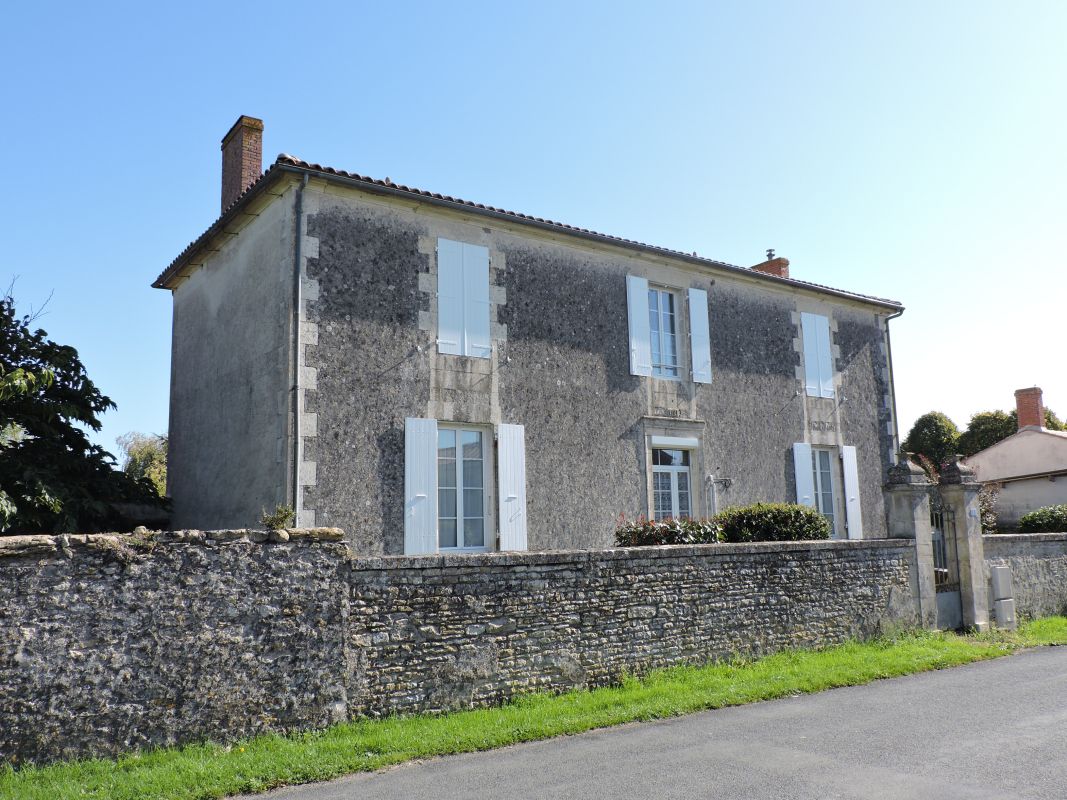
[(774, 266), (242, 158), (1029, 408)]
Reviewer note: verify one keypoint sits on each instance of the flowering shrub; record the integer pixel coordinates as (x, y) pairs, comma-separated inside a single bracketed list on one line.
[(1050, 519), (643, 532), (762, 522)]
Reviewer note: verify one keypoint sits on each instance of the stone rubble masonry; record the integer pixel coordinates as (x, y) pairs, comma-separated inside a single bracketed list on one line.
[(1038, 563), (111, 643)]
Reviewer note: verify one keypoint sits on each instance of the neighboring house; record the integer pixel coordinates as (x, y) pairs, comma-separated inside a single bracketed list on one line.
[(1029, 468), (434, 374)]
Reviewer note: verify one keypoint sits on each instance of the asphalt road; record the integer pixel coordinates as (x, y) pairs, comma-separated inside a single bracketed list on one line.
[(997, 729)]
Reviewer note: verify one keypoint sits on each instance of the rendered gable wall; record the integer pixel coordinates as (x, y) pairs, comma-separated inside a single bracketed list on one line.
[(230, 378)]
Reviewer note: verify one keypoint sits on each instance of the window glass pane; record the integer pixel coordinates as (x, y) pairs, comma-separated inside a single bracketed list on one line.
[(473, 533), (661, 495), (446, 472), (446, 443), (684, 507), (446, 533), (472, 504), (472, 474), (472, 444), (683, 457), (446, 503), (670, 350)]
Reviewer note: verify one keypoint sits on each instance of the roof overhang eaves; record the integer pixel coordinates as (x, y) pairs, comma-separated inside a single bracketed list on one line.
[(280, 168)]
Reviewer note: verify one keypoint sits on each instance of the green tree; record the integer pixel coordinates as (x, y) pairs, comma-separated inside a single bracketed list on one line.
[(145, 456), (52, 478), (933, 435), (985, 430)]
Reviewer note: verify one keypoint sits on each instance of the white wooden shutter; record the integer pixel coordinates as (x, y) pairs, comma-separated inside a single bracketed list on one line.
[(420, 485), (700, 335), (809, 338), (853, 514), (511, 449), (450, 297), (476, 301), (826, 365), (640, 331), (805, 475)]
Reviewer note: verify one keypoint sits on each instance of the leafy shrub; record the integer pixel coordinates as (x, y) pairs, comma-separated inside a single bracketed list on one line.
[(772, 522), (643, 532), (762, 522), (1050, 519), (283, 517)]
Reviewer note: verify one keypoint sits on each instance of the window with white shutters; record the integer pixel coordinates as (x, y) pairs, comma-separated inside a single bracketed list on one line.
[(818, 356), (448, 485), (463, 324)]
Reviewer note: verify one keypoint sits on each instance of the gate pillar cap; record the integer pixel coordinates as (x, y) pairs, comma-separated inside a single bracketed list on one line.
[(956, 472), (906, 472)]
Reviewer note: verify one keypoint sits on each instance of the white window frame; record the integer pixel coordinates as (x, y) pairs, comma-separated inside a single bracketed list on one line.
[(658, 368), (819, 490), (488, 526), (674, 472)]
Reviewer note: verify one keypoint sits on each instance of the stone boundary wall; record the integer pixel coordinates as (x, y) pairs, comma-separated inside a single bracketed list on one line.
[(110, 643), (1038, 563)]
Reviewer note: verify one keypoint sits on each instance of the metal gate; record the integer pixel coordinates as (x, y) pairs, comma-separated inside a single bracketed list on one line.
[(946, 570)]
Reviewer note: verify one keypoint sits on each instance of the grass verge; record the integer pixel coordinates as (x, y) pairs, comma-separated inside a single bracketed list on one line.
[(213, 771)]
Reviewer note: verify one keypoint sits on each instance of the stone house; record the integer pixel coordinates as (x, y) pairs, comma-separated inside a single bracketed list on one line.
[(431, 374), (1029, 468)]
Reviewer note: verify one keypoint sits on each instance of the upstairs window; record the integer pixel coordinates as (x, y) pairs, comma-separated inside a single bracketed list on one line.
[(652, 320), (463, 299), (663, 333), (818, 357)]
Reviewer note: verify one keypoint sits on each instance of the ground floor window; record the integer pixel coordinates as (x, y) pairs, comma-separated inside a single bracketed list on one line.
[(671, 493), (822, 475), (461, 510)]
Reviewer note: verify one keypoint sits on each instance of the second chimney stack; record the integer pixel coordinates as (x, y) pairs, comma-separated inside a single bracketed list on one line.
[(774, 266), (1029, 407), (242, 158)]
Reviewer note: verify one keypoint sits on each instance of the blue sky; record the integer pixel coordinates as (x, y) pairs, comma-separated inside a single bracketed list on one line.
[(910, 150)]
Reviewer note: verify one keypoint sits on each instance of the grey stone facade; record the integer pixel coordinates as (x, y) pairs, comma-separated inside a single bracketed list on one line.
[(119, 642), (367, 359)]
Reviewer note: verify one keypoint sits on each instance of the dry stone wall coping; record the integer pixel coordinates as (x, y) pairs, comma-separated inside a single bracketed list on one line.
[(1023, 538), (670, 551), (142, 539)]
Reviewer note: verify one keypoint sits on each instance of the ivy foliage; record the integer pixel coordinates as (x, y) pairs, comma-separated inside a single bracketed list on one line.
[(52, 478)]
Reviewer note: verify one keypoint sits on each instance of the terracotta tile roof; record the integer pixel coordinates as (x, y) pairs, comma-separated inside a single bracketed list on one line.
[(287, 163)]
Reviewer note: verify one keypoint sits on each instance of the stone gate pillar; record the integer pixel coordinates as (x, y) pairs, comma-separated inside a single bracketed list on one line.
[(907, 496), (959, 493)]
